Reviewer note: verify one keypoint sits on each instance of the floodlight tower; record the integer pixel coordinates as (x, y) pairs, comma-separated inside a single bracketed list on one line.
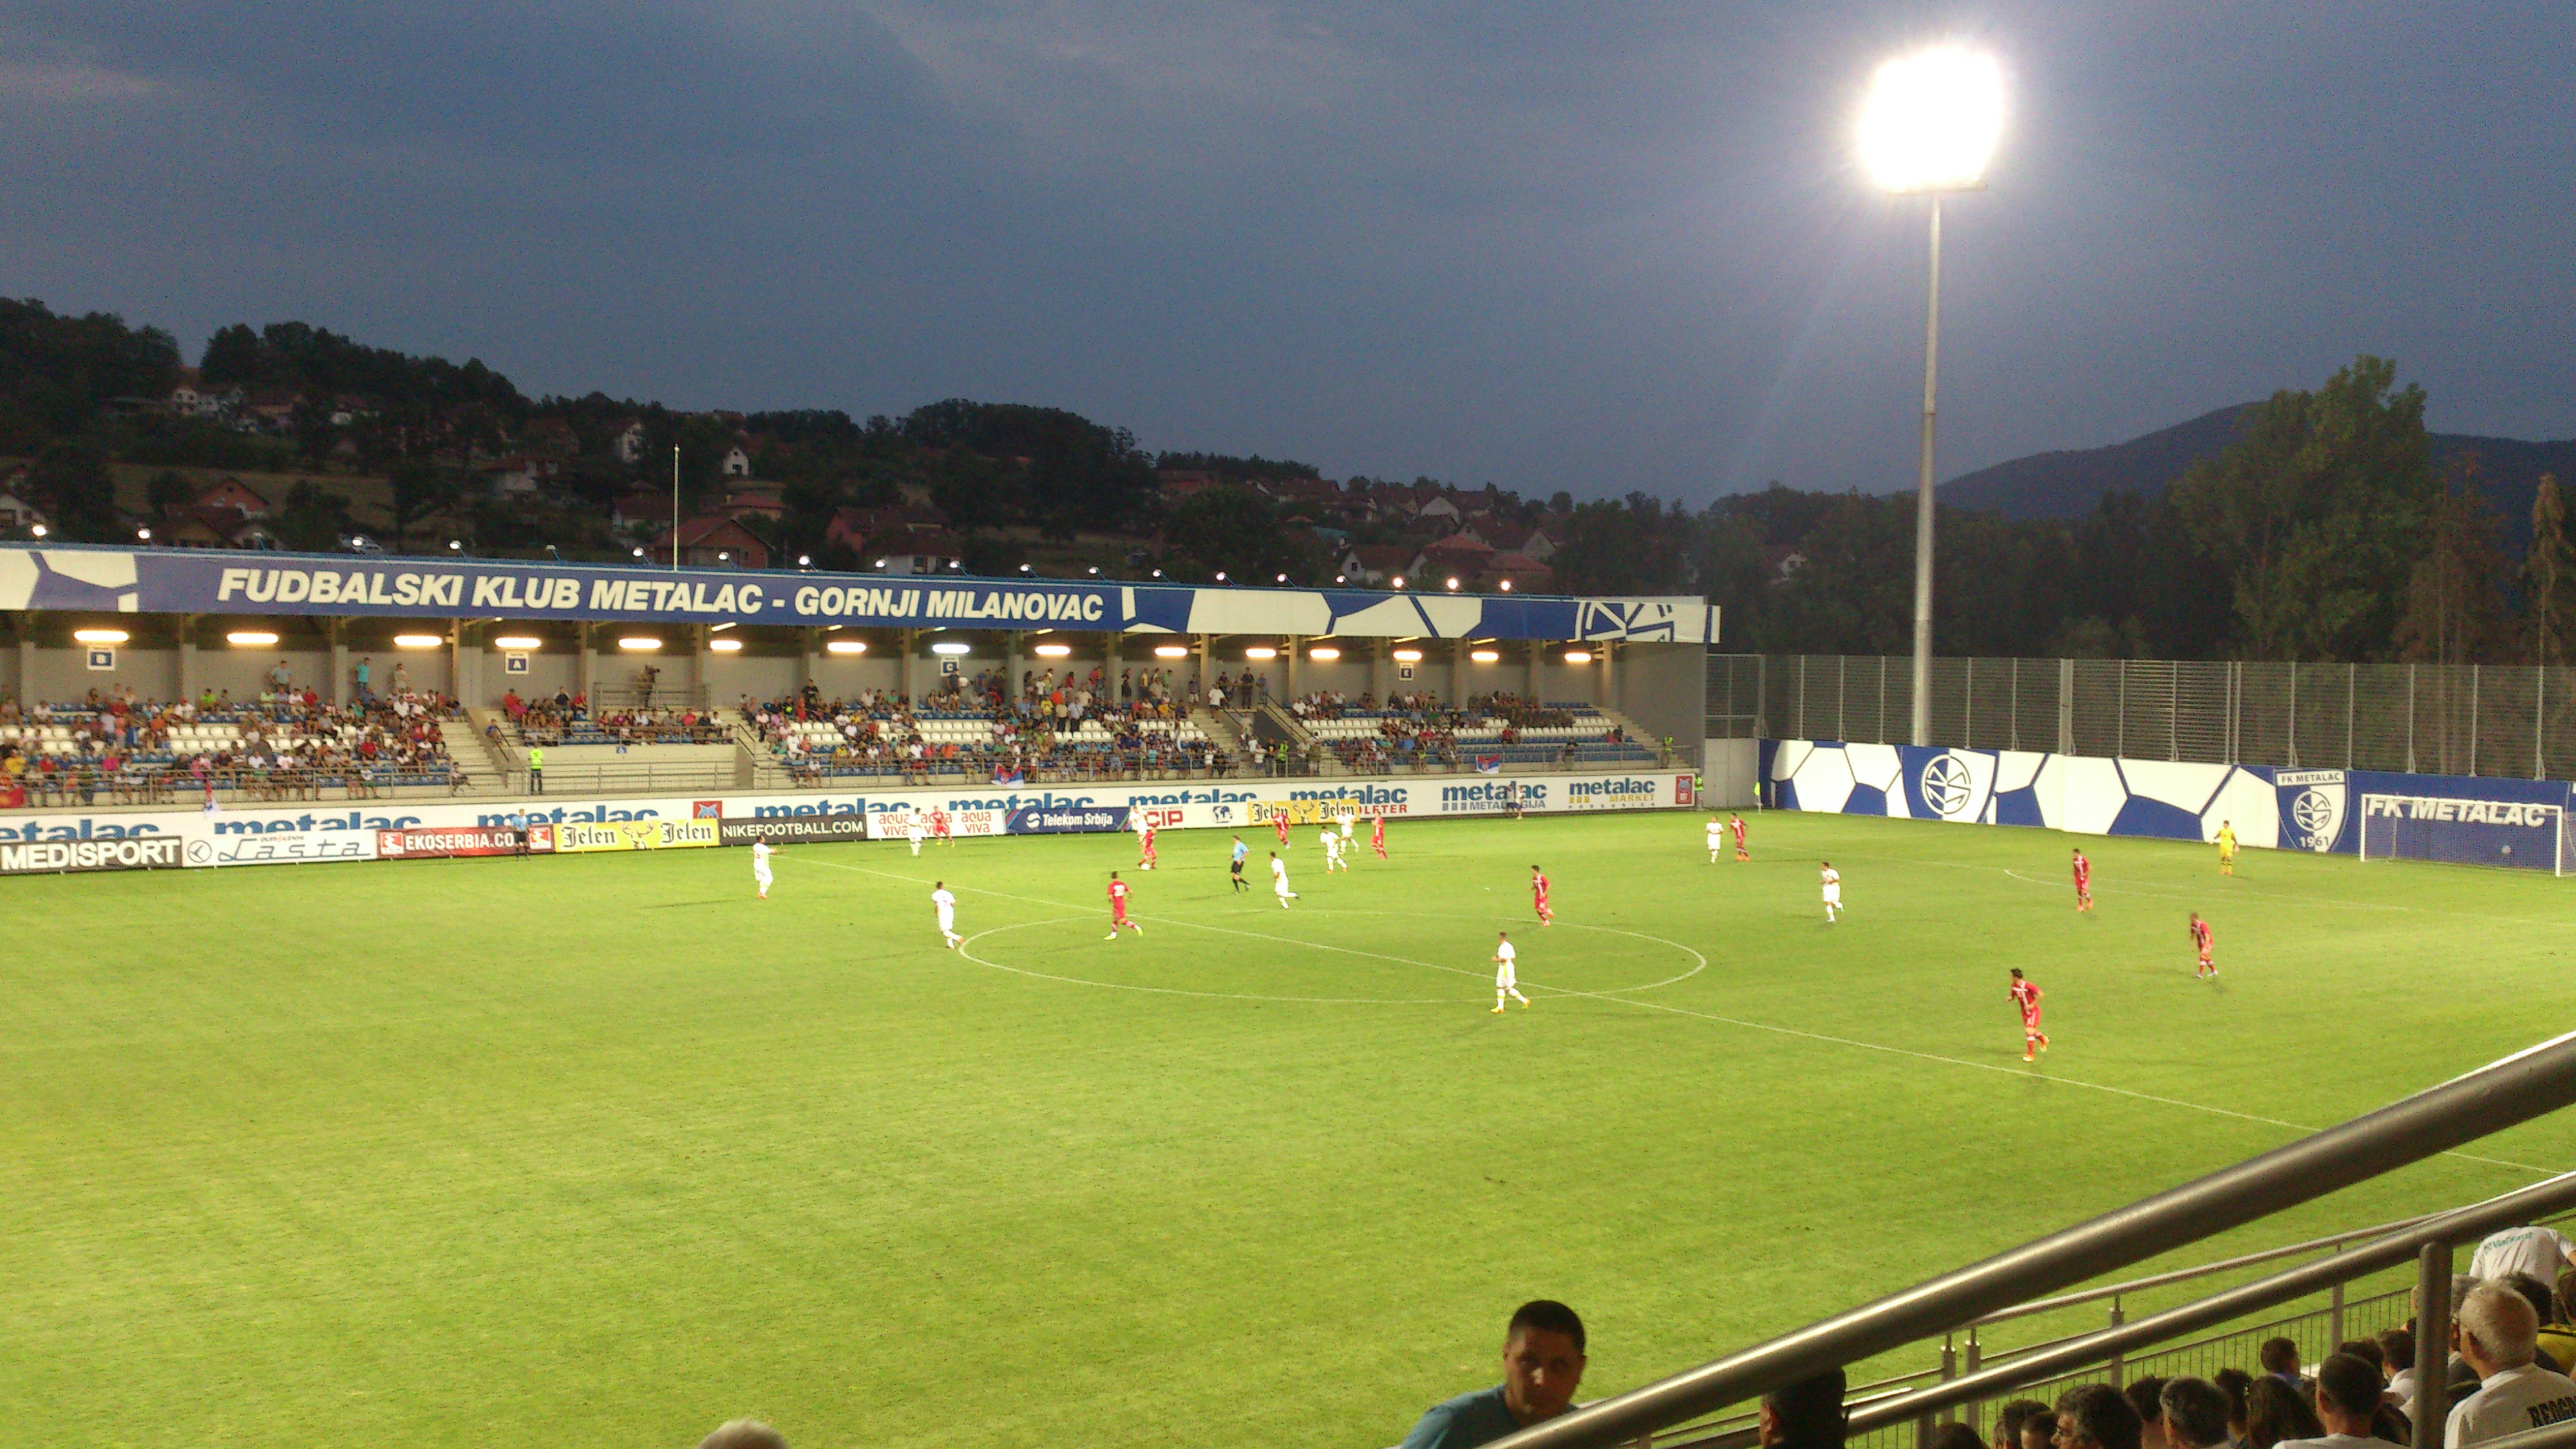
[(1930, 127)]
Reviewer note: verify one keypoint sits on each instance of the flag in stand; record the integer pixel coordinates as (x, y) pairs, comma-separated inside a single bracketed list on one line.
[(1005, 775), (1489, 764)]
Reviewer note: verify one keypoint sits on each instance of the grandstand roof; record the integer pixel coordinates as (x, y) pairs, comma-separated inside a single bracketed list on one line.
[(184, 581)]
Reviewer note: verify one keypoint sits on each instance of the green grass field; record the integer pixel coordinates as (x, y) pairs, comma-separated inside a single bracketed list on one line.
[(602, 1150)]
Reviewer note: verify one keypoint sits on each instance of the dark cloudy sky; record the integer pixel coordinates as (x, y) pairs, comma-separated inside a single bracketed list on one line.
[(1597, 246)]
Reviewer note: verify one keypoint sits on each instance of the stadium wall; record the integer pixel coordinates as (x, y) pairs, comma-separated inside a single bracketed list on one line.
[(49, 841), (2270, 806)]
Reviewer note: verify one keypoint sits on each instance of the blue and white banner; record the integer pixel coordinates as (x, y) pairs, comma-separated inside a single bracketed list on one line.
[(2317, 810), (1066, 819), (192, 581)]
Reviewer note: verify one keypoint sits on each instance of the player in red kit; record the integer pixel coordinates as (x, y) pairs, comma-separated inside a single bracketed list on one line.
[(939, 827), (2083, 882), (1538, 897), (1735, 823), (1118, 908), (1377, 837), (2026, 995), (1279, 822), (1145, 844), (2200, 940)]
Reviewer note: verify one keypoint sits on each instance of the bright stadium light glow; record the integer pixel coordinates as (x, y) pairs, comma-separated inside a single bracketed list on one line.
[(1484, 656), (949, 647), (725, 646), (417, 641), (251, 638), (1578, 656), (1260, 651), (639, 642), (517, 641), (1507, 586), (845, 646), (1407, 656), (1171, 651), (1323, 653), (1453, 585), (1933, 120), (1399, 581), (100, 636), (1052, 651)]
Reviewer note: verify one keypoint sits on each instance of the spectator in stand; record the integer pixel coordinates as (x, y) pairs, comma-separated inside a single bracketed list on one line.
[(2010, 1418), (2237, 1385), (1807, 1414), (2276, 1411), (2397, 1357), (2195, 1414), (744, 1434), (2558, 1332), (1543, 1357), (2498, 1335), (2145, 1394), (2039, 1431), (1955, 1435), (2348, 1406), (2536, 1293), (2280, 1359), (2095, 1416), (2541, 1252)]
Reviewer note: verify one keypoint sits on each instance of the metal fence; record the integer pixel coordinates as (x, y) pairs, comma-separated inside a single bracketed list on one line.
[(2465, 719)]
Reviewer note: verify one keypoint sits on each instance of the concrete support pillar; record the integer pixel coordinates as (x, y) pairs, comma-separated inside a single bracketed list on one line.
[(463, 678), (1011, 665), (187, 642), (27, 660), (1289, 651), (585, 671), (912, 664), (809, 657), (337, 631), (1207, 675), (1112, 659), (1537, 659), (1457, 673), (700, 636), (1599, 683), (1379, 668)]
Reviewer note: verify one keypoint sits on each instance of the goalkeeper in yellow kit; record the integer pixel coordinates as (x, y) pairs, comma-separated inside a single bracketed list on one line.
[(2226, 848)]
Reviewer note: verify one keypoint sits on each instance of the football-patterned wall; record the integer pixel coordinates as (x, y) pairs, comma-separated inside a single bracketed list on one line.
[(2273, 808)]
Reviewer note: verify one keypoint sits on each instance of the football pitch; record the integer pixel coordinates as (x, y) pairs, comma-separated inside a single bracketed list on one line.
[(604, 1150)]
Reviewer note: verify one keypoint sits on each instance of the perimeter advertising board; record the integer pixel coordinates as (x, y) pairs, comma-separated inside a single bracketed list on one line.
[(584, 837), (443, 842), (279, 835), (57, 857)]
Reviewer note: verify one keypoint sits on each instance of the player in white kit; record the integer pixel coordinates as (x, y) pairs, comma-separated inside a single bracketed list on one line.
[(1332, 850), (916, 830), (760, 854), (1507, 980), (1716, 838), (947, 905), (1347, 817), (1833, 882), (1279, 881)]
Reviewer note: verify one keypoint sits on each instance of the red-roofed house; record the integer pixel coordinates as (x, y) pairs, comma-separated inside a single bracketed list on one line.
[(715, 543), (233, 494)]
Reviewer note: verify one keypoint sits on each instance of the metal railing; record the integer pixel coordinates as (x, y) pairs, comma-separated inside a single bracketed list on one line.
[(2516, 1089), (2467, 719)]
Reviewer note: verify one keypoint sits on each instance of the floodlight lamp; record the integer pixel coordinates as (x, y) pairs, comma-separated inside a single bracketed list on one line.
[(1484, 656), (1933, 120), (99, 636), (251, 638), (725, 646), (1260, 651), (1578, 656), (845, 646), (1052, 651), (1220, 576), (417, 641), (947, 647), (639, 642), (1323, 653), (1407, 656), (517, 641), (1170, 651)]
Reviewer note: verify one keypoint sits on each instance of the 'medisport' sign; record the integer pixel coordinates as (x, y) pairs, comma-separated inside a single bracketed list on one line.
[(54, 857)]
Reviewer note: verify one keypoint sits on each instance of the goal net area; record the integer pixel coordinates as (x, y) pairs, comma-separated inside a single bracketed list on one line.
[(2517, 834)]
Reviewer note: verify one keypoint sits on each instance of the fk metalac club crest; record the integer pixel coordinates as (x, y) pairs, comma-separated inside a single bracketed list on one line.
[(2313, 804)]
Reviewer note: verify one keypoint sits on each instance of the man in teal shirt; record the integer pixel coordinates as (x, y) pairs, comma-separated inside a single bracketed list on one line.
[(1542, 1365)]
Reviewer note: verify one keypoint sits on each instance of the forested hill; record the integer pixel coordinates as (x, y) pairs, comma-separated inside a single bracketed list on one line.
[(2072, 482)]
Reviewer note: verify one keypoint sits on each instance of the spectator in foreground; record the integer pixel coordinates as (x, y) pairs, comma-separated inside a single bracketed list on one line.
[(2145, 1394), (1543, 1362), (1805, 1415), (2536, 1293), (2277, 1412), (2039, 1431), (2235, 1383), (2280, 1359), (2498, 1333), (2558, 1325), (2541, 1252), (2095, 1416), (2010, 1418), (1955, 1435), (2397, 1357), (744, 1434), (2195, 1414), (2348, 1406)]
